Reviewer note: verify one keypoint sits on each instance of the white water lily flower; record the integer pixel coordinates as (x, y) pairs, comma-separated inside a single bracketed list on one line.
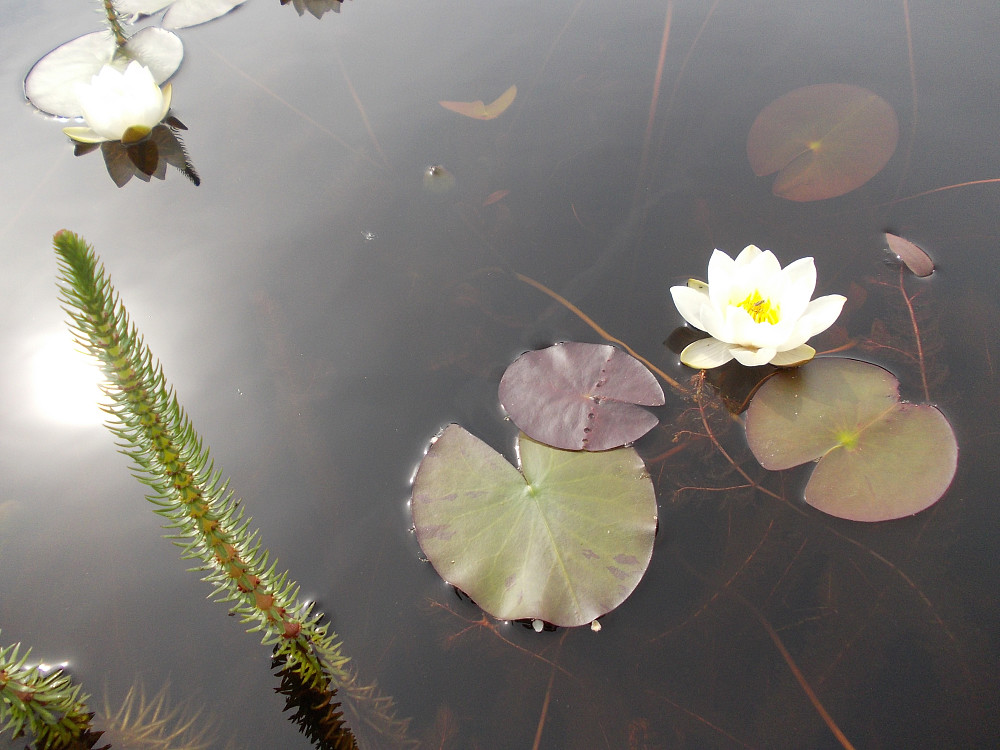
[(754, 311), (120, 105)]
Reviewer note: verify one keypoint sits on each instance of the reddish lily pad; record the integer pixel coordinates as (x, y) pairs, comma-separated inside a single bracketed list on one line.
[(565, 540), (913, 257), (823, 140), (878, 458), (579, 396)]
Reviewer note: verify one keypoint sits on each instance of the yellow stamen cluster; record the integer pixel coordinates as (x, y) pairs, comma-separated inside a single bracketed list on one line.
[(761, 310)]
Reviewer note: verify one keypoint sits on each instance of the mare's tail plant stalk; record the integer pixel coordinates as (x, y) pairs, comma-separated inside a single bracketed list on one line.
[(46, 704), (203, 516)]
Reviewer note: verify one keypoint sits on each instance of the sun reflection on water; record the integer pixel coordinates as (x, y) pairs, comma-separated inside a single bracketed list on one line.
[(65, 383)]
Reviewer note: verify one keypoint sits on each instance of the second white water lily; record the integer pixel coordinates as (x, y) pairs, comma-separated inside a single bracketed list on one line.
[(754, 311), (120, 105)]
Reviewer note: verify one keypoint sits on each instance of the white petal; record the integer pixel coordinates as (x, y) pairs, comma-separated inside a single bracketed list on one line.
[(714, 321), (764, 264), (753, 357), (742, 329), (793, 357), (705, 354), (167, 92), (115, 101), (747, 254), (798, 281), (689, 303), (722, 274), (83, 135), (745, 331), (820, 315)]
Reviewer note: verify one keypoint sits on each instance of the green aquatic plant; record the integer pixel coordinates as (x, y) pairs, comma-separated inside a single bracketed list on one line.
[(203, 516), (116, 22), (46, 703), (153, 723)]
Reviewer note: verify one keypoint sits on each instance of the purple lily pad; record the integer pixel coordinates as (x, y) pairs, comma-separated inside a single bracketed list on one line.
[(879, 458), (578, 396)]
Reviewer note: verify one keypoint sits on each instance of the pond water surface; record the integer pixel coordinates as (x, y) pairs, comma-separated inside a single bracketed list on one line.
[(322, 314)]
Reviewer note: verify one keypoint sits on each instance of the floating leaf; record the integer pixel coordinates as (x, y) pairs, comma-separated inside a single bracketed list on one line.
[(182, 13), (495, 196), (566, 539), (50, 84), (580, 396), (823, 140), (879, 458), (912, 256), (481, 111)]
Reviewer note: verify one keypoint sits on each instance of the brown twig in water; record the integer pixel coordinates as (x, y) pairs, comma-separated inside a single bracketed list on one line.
[(319, 126), (657, 79), (913, 96), (548, 696), (600, 331), (484, 622), (702, 719), (785, 654), (908, 301), (938, 190), (360, 106)]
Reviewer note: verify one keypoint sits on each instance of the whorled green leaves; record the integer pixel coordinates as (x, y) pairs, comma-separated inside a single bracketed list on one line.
[(879, 458), (203, 516), (565, 540), (45, 704)]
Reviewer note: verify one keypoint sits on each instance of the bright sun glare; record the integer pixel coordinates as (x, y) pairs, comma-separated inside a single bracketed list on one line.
[(65, 383)]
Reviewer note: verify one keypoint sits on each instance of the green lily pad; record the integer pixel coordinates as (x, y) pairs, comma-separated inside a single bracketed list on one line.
[(878, 458), (823, 140), (566, 539)]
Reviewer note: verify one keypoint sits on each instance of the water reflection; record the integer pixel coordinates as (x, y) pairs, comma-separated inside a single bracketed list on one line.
[(316, 7), (410, 331), (64, 382), (146, 158)]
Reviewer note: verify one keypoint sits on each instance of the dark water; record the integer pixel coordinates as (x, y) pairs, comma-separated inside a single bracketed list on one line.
[(322, 315)]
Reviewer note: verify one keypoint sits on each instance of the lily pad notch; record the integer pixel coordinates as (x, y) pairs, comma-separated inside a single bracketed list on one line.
[(878, 458)]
